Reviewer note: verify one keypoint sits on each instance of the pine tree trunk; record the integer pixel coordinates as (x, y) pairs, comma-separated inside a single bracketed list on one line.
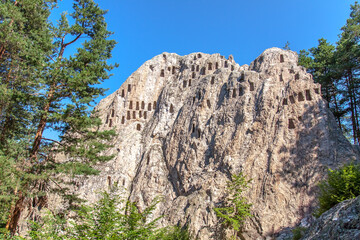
[(356, 120), (351, 98), (38, 137), (338, 118), (41, 127), (2, 51), (337, 108), (356, 115), (353, 122), (19, 206), (15, 214), (327, 97)]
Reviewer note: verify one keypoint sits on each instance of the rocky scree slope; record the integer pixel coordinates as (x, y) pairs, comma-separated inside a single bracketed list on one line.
[(186, 123)]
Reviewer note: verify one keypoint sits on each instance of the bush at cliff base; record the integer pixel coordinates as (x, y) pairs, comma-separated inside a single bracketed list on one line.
[(106, 221), (341, 184)]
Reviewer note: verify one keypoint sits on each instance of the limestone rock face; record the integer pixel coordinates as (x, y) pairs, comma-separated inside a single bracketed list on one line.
[(186, 123)]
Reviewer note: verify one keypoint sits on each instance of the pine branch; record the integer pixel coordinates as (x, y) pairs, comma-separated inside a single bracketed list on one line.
[(48, 139)]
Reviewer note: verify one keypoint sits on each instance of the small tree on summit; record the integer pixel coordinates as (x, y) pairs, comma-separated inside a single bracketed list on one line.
[(287, 46)]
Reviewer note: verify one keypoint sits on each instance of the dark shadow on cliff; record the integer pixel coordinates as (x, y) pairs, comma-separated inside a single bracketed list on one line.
[(316, 149)]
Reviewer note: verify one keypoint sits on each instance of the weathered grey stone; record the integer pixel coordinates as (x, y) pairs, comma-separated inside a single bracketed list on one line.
[(340, 222), (203, 118)]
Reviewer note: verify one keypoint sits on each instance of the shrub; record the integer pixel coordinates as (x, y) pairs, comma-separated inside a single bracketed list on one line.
[(175, 233), (341, 184), (104, 220), (298, 233)]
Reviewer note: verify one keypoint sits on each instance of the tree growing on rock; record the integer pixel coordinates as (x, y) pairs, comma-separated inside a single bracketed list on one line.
[(235, 209)]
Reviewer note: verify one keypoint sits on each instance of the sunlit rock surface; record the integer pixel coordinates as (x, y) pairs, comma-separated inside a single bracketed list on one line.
[(186, 123)]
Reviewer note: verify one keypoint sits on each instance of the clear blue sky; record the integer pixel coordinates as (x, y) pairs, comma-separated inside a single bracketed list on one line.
[(145, 28)]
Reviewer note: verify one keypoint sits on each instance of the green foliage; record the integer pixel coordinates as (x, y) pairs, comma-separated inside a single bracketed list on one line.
[(341, 184), (7, 236), (6, 184), (52, 229), (105, 220), (320, 62), (298, 233), (304, 59), (174, 233), (49, 79), (235, 208), (336, 68)]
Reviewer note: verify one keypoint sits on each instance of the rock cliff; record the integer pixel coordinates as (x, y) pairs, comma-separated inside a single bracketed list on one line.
[(186, 123)]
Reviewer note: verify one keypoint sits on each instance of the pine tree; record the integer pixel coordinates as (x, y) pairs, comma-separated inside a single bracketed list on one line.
[(336, 69), (46, 87), (235, 208), (347, 62), (24, 42), (320, 62)]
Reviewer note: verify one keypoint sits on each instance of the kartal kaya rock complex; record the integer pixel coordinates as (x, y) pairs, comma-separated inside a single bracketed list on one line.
[(185, 124)]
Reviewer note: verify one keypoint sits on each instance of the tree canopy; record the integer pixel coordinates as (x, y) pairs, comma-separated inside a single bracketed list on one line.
[(46, 85), (336, 68)]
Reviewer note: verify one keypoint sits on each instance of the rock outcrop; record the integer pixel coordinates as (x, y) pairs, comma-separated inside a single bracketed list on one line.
[(186, 123), (340, 222)]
